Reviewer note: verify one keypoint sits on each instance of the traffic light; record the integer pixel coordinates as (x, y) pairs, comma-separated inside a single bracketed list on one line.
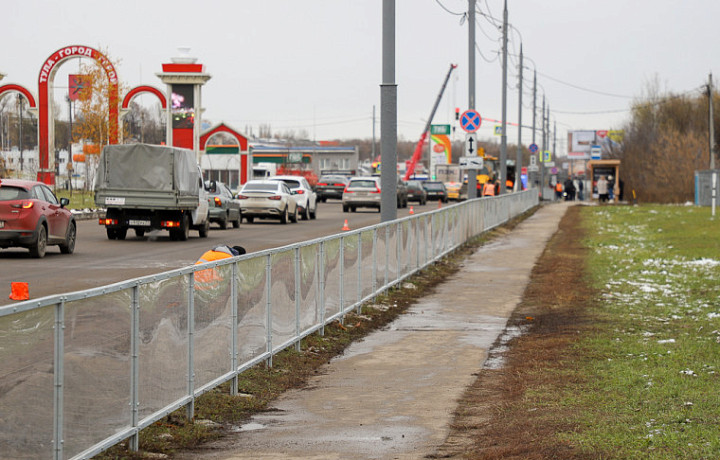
[(457, 113)]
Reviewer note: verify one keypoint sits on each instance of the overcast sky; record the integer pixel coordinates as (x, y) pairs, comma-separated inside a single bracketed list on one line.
[(316, 65)]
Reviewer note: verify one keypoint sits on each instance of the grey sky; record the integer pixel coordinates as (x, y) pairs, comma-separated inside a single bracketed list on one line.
[(315, 65)]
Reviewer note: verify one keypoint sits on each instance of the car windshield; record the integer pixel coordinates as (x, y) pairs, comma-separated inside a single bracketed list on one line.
[(8, 193), (260, 188), (368, 183), (331, 179)]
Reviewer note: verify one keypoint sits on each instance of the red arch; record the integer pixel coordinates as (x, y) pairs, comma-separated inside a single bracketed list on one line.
[(22, 90), (143, 89), (223, 128), (45, 77)]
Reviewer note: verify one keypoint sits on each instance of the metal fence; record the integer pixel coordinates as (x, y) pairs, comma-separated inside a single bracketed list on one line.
[(93, 368)]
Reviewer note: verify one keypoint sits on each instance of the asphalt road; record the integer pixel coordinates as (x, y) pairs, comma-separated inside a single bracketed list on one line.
[(98, 261)]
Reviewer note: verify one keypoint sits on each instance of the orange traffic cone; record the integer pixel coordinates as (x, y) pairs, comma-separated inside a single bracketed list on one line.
[(19, 291), (345, 227), (411, 210), (439, 204)]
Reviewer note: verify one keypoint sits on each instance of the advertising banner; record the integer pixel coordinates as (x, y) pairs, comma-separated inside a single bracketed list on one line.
[(440, 146)]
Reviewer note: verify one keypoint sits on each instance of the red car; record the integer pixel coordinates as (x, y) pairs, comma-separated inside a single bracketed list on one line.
[(32, 217)]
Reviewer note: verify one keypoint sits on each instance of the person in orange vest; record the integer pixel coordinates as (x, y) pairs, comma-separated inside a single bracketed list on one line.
[(488, 189), (558, 190), (509, 185), (207, 279)]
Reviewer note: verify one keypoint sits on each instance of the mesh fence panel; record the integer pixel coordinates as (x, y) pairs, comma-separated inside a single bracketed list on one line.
[(212, 339), (309, 286), (283, 296), (97, 369), (26, 384), (252, 316), (351, 268), (332, 277), (163, 344), (366, 266)]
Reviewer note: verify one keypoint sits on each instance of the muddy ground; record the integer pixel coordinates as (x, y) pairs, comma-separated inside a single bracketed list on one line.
[(493, 420)]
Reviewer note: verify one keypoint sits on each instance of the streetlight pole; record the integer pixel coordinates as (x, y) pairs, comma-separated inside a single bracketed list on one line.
[(711, 123), (472, 173), (388, 117), (517, 183), (20, 117), (503, 138)]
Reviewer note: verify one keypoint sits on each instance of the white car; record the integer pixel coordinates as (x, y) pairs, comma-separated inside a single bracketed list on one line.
[(304, 195), (269, 199)]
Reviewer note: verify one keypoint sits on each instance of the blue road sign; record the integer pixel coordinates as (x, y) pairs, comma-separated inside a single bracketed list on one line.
[(533, 148), (470, 121)]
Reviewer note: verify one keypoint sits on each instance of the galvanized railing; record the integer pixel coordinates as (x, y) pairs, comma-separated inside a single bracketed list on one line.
[(93, 368)]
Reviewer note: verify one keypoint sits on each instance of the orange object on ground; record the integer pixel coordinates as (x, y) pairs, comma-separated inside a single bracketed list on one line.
[(19, 291), (345, 226), (411, 210)]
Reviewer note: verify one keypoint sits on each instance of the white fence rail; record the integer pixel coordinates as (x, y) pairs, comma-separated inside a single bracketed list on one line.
[(93, 368)]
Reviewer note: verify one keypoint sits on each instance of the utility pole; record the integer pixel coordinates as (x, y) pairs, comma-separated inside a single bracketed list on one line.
[(20, 116), (542, 153), (503, 137), (711, 122), (388, 117), (472, 173), (517, 183), (534, 115), (372, 154), (70, 158)]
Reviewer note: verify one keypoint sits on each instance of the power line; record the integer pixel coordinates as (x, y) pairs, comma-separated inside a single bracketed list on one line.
[(584, 89), (451, 12)]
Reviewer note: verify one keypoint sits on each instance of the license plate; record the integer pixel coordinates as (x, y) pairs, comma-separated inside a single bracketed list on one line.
[(115, 200), (144, 223)]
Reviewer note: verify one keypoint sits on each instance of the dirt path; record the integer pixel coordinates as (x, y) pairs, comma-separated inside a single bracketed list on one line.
[(492, 420)]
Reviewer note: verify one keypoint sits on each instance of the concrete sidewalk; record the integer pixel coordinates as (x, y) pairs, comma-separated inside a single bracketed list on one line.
[(392, 395)]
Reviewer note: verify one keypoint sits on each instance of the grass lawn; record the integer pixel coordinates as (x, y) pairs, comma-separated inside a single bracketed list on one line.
[(651, 367)]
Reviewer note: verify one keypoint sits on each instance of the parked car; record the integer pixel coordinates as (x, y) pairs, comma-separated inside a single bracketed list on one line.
[(303, 194), (32, 217), (416, 192), (361, 192), (268, 199), (222, 205), (330, 187), (402, 194), (435, 191)]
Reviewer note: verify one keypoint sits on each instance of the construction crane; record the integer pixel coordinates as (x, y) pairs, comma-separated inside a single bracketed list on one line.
[(418, 148)]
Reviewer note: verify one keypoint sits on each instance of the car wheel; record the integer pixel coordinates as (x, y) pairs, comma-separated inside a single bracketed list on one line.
[(313, 213), (223, 222), (69, 245), (284, 216), (345, 208), (236, 222), (294, 216), (306, 213), (38, 249)]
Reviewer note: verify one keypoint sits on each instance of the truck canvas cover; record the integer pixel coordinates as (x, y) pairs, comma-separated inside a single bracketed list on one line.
[(148, 167)]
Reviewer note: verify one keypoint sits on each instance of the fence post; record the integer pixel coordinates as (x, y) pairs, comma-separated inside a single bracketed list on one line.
[(387, 256), (58, 360), (297, 298), (322, 287), (374, 260), (342, 279), (398, 252), (190, 412), (234, 329), (134, 443), (359, 271), (268, 307)]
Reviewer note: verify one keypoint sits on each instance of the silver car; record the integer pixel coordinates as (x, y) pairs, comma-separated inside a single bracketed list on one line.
[(361, 192), (267, 199), (304, 195)]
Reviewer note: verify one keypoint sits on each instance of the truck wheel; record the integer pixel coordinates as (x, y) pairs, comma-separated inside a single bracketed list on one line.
[(205, 229), (139, 232), (184, 230), (345, 208), (121, 233), (250, 219), (111, 233)]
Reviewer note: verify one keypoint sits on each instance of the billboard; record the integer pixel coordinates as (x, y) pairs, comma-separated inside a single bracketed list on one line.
[(183, 106), (440, 146), (583, 143)]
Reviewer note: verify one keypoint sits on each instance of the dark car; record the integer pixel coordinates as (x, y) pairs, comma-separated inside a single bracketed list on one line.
[(223, 208), (330, 187), (402, 194), (435, 191), (32, 217), (416, 192)]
